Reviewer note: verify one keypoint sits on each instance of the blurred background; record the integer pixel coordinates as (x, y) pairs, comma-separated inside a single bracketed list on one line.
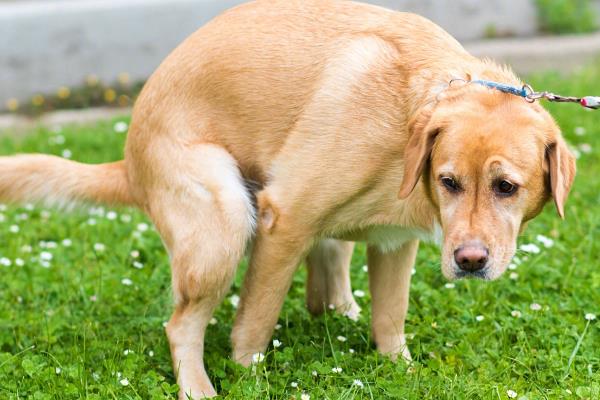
[(64, 54)]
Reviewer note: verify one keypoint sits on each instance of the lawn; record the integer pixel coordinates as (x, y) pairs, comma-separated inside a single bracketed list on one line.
[(84, 296)]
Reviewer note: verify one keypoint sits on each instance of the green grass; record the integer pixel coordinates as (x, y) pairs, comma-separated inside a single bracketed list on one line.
[(73, 329)]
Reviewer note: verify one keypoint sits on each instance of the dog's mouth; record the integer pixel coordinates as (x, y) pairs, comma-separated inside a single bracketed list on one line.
[(490, 272), (482, 274)]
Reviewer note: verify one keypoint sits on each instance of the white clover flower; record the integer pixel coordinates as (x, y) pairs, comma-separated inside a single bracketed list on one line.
[(111, 215), (314, 373), (304, 396), (535, 307), (294, 384), (449, 285), (258, 358), (126, 281), (276, 343), (124, 382), (92, 221), (585, 148), (365, 268), (93, 298), (57, 370), (59, 139), (120, 127), (45, 264), (66, 153), (213, 321), (19, 262), (45, 214), (67, 242), (511, 394), (22, 217), (336, 370), (14, 229), (51, 245), (341, 338), (138, 265), (29, 207), (127, 352), (479, 318), (277, 327), (413, 271), (359, 293), (590, 316), (351, 351), (516, 313), (46, 256), (151, 353), (234, 300), (5, 261), (546, 241), (512, 266), (514, 276), (358, 382), (134, 254), (26, 249), (99, 247), (530, 248), (579, 131), (125, 218), (142, 227)]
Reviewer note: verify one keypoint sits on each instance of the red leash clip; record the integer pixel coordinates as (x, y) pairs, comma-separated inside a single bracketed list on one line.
[(590, 102)]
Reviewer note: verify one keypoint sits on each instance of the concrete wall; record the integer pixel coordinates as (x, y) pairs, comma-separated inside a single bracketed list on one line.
[(51, 43)]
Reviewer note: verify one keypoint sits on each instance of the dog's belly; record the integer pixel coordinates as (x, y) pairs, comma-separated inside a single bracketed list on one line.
[(391, 237)]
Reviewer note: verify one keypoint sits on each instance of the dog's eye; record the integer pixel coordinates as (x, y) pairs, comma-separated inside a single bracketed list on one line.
[(450, 184), (505, 188)]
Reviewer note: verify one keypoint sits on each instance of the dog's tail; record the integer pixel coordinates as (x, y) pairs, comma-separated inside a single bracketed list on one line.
[(52, 180)]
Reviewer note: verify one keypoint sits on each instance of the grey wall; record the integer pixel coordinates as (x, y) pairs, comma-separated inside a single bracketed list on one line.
[(46, 44)]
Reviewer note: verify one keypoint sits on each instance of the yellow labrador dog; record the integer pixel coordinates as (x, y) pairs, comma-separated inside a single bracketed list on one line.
[(341, 117)]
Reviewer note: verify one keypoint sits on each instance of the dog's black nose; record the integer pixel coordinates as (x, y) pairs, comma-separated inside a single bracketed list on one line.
[(471, 256)]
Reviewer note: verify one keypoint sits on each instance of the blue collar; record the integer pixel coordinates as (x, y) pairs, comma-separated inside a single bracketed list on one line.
[(521, 92)]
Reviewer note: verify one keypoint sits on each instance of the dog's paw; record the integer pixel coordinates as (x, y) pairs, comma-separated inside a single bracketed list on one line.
[(351, 310), (394, 347)]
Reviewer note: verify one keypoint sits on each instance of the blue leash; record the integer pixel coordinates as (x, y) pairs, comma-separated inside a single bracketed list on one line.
[(527, 92)]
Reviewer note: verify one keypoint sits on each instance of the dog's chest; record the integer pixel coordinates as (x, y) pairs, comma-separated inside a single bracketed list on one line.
[(391, 237)]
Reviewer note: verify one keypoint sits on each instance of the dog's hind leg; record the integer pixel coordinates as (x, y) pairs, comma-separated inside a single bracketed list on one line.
[(205, 217), (328, 281)]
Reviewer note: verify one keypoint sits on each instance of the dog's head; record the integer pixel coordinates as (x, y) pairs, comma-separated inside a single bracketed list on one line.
[(489, 162)]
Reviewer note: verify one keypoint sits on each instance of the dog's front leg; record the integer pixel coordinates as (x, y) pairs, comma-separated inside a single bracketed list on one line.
[(275, 257), (389, 282)]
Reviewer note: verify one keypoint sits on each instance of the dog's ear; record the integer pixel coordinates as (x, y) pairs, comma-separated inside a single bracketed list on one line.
[(561, 166), (422, 134)]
